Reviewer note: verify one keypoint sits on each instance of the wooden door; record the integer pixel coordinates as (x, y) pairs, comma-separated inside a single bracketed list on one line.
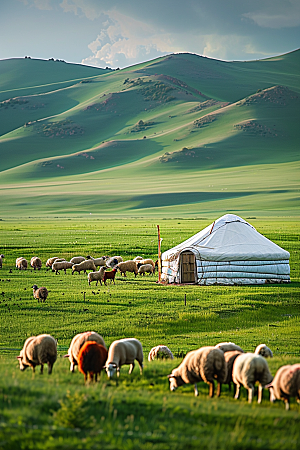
[(188, 266)]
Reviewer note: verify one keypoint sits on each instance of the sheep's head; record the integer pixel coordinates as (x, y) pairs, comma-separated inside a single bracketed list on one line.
[(175, 381), (111, 369), (23, 366), (34, 287)]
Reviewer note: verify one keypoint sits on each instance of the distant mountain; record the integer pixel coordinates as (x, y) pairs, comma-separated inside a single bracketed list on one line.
[(181, 134)]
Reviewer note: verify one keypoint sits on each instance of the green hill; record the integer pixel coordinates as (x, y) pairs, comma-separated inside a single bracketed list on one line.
[(180, 135)]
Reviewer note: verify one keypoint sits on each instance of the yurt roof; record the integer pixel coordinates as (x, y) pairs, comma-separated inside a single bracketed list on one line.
[(230, 238)]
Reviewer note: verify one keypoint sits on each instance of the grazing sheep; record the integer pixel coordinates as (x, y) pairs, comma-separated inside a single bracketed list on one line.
[(264, 351), (247, 369), (124, 351), (76, 344), (145, 268), (137, 258), (113, 261), (91, 359), (21, 263), (110, 275), (77, 259), (1, 260), (128, 266), (40, 294), (286, 384), (38, 350), (230, 357), (205, 364), (96, 276), (50, 261), (61, 265), (229, 347), (160, 352), (88, 264), (99, 262), (36, 263), (147, 261)]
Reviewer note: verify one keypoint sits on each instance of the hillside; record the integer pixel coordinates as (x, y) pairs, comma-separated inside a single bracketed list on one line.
[(180, 135)]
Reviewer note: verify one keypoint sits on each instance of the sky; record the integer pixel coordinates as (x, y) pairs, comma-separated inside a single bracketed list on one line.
[(122, 33)]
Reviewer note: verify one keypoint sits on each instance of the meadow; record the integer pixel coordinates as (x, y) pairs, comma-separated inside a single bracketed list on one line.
[(60, 412)]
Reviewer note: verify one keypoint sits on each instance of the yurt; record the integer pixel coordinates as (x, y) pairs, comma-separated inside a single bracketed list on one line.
[(228, 252)]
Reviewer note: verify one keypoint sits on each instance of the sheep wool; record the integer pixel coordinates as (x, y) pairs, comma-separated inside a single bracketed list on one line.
[(124, 351), (113, 261), (160, 352), (286, 384), (146, 268), (40, 294), (61, 265), (77, 259), (76, 344), (128, 266), (36, 263), (38, 350), (264, 351), (205, 364), (247, 369), (88, 264), (91, 359), (147, 261), (21, 263), (229, 347), (50, 261), (99, 262), (96, 276), (230, 357)]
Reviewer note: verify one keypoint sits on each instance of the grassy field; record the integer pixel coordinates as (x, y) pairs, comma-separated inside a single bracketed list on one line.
[(178, 132), (59, 412)]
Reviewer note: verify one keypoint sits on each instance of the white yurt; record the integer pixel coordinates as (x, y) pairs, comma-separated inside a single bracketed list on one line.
[(230, 252)]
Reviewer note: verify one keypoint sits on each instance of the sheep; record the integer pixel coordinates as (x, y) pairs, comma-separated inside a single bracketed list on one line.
[(229, 347), (98, 261), (96, 276), (264, 351), (88, 264), (137, 258), (40, 294), (147, 261), (36, 263), (76, 344), (230, 357), (21, 263), (38, 350), (61, 265), (1, 259), (204, 364), (247, 369), (286, 384), (110, 275), (113, 261), (91, 359), (160, 351), (124, 351), (77, 259), (145, 268), (127, 266), (50, 261)]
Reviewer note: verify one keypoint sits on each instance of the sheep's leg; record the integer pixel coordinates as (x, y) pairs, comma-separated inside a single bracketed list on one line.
[(219, 388), (85, 377), (141, 367), (42, 369), (287, 404), (237, 392), (196, 390), (211, 388), (131, 367), (50, 368), (72, 367), (260, 390), (118, 372), (250, 393)]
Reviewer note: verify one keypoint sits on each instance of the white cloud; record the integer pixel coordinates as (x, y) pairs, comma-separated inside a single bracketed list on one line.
[(280, 15)]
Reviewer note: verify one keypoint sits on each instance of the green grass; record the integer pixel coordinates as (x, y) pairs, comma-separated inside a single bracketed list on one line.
[(59, 412)]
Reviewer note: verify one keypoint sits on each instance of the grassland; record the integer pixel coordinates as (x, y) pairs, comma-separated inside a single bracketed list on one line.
[(216, 137), (59, 412)]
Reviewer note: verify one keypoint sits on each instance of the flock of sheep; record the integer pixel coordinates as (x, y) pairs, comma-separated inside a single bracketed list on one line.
[(225, 363)]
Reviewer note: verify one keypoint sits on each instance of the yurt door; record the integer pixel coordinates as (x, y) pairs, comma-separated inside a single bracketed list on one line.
[(188, 267)]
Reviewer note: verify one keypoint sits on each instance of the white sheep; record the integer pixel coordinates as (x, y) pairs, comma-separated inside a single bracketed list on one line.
[(50, 261), (61, 265), (145, 268), (76, 344), (264, 351), (160, 352), (1, 260), (40, 294), (124, 351), (205, 364), (99, 262), (127, 266), (230, 357), (286, 384), (147, 261), (21, 263), (88, 264), (113, 261), (96, 276), (77, 259), (229, 347), (38, 350), (36, 263), (247, 369), (137, 258)]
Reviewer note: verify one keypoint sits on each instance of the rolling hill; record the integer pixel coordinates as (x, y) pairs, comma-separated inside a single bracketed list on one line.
[(179, 135)]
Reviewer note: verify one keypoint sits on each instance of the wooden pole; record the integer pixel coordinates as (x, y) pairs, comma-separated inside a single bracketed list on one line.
[(159, 255)]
